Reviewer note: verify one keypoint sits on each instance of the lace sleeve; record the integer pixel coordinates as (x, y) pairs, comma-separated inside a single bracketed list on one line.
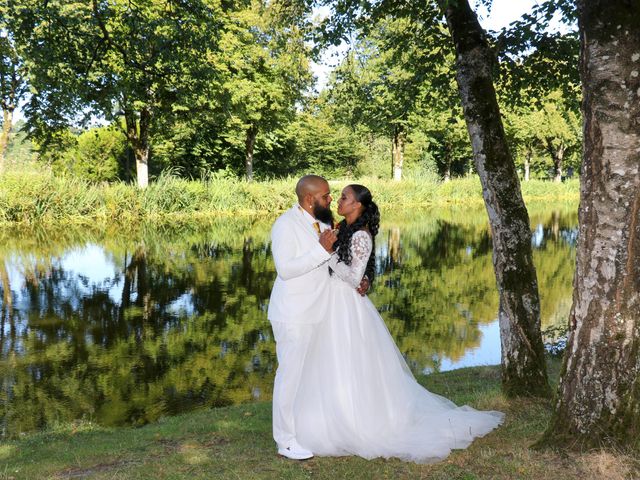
[(360, 250)]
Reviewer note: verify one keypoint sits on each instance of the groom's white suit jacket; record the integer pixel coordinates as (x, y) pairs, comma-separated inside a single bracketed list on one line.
[(300, 292)]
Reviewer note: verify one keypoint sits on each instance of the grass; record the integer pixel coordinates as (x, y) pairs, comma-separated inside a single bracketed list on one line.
[(235, 442), (39, 197)]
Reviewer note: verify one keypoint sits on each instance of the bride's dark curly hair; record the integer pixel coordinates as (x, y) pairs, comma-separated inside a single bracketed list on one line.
[(369, 220)]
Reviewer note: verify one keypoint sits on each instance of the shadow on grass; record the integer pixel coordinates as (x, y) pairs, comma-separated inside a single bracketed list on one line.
[(236, 442)]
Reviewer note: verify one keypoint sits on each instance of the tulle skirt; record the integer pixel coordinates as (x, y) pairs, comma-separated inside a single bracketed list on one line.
[(358, 397)]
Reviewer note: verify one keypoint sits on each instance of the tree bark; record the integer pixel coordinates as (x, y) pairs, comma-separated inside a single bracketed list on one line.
[(250, 143), (7, 124), (397, 152), (447, 172), (527, 165), (12, 89), (599, 391), (138, 136), (447, 163), (523, 363), (557, 154)]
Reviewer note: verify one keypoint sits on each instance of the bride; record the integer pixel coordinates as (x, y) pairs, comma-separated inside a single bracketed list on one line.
[(357, 395)]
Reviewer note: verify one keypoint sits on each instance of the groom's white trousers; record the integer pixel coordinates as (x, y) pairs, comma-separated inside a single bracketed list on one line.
[(292, 343)]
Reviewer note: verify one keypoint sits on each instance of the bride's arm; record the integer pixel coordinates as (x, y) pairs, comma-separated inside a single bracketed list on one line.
[(360, 250)]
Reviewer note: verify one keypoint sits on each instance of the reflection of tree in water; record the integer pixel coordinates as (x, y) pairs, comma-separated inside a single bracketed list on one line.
[(187, 328), (180, 322), (449, 243), (433, 306), (446, 288)]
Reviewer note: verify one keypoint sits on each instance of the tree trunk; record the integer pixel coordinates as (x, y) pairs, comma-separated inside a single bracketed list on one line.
[(599, 391), (250, 142), (142, 166), (447, 163), (397, 152), (13, 89), (7, 124), (523, 363), (139, 265), (142, 153), (557, 154), (138, 136), (527, 165)]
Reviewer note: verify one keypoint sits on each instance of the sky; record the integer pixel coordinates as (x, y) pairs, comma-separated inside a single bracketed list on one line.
[(502, 13)]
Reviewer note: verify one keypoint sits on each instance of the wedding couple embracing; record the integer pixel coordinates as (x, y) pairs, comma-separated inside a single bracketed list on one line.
[(342, 387)]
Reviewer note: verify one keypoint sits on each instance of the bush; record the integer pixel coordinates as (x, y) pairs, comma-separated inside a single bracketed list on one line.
[(96, 155)]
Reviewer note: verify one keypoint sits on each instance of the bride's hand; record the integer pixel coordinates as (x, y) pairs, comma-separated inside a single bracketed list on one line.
[(363, 288)]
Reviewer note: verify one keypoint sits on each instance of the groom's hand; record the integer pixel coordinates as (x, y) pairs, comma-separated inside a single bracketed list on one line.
[(327, 239), (363, 288)]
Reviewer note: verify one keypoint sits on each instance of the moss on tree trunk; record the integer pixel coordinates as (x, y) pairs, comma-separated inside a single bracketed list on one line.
[(523, 365), (599, 391)]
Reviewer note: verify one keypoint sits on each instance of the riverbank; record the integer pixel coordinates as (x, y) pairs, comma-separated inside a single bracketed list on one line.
[(28, 198), (235, 442)]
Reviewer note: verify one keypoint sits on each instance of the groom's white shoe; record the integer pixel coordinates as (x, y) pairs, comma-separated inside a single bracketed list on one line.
[(295, 452)]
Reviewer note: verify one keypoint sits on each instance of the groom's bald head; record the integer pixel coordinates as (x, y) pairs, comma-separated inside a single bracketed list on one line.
[(310, 185), (314, 196)]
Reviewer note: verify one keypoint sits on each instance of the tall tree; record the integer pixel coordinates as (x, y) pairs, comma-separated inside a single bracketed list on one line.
[(381, 79), (12, 80), (129, 59), (265, 67), (523, 364), (599, 391), (539, 84), (558, 133), (550, 129)]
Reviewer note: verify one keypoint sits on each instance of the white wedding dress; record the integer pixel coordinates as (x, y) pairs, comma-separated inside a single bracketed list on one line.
[(357, 395)]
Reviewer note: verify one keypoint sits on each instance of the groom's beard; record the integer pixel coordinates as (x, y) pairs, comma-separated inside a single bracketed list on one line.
[(325, 215)]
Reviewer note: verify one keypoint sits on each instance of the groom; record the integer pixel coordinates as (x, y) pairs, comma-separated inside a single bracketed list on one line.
[(301, 242)]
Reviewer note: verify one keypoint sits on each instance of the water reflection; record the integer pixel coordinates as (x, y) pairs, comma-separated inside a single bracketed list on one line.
[(123, 329)]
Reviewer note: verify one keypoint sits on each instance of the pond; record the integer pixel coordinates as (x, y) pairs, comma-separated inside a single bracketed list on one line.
[(124, 327)]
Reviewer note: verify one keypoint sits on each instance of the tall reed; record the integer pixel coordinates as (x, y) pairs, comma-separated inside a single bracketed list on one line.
[(39, 197)]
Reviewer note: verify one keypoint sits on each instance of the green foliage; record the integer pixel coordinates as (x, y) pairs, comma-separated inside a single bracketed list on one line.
[(114, 60), (196, 87), (97, 155), (375, 159), (13, 85), (265, 70), (544, 133), (442, 144), (535, 59), (323, 147), (20, 151)]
